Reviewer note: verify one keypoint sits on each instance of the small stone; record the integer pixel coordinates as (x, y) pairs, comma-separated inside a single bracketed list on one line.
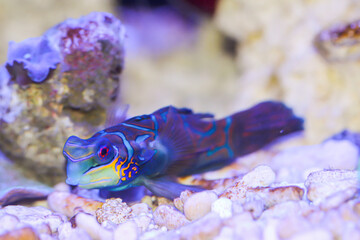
[(179, 202), (323, 184), (199, 204), (66, 232), (244, 226), (292, 225), (288, 208), (88, 223), (256, 179), (114, 210), (205, 228), (261, 176), (62, 187), (8, 223), (351, 232), (356, 208), (283, 194), (69, 204), (143, 221), (139, 208), (168, 216), (126, 230), (225, 233), (42, 219), (338, 198), (314, 234), (223, 207), (256, 207), (164, 201)]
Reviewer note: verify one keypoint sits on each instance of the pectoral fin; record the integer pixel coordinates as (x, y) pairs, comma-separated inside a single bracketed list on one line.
[(166, 187)]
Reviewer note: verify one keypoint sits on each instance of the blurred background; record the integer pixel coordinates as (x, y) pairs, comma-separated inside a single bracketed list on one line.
[(222, 56)]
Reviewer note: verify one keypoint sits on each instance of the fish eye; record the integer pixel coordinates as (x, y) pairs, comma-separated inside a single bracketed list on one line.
[(103, 152)]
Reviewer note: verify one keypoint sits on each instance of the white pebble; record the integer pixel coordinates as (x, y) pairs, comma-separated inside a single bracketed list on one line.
[(223, 207), (91, 226)]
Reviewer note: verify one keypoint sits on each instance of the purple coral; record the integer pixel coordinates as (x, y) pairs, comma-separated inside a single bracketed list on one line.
[(84, 47), (91, 43), (31, 60)]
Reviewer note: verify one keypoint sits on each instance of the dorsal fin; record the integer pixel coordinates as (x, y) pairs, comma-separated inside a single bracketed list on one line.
[(179, 140)]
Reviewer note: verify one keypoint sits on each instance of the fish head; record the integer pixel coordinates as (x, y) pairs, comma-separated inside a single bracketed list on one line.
[(97, 162)]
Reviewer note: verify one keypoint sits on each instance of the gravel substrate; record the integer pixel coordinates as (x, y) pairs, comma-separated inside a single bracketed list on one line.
[(255, 205)]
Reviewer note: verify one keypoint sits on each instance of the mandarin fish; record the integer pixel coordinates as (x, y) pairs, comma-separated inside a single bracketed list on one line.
[(152, 150)]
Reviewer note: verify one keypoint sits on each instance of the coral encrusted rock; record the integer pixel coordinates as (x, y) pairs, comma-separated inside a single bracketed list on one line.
[(57, 85)]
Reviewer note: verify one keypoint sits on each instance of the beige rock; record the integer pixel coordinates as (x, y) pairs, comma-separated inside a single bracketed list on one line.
[(323, 184), (114, 210), (261, 176), (69, 204), (168, 216), (199, 204), (126, 230)]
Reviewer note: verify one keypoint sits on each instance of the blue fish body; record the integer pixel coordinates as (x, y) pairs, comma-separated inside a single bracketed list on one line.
[(152, 150)]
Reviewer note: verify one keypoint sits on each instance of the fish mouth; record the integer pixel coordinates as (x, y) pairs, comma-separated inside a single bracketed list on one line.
[(72, 181)]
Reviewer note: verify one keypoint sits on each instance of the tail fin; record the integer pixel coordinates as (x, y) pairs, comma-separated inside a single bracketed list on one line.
[(254, 128)]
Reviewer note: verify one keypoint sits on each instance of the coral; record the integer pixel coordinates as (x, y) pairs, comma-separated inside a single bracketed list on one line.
[(74, 98), (32, 60), (114, 210)]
